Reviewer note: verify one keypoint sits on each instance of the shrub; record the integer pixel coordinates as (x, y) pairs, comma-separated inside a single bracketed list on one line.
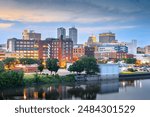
[(69, 78), (11, 79), (131, 70)]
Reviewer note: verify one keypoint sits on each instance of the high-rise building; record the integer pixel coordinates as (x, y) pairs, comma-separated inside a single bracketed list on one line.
[(73, 34), (30, 35), (107, 37), (61, 32), (132, 47)]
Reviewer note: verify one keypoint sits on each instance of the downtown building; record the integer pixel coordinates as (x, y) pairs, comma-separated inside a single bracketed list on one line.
[(107, 37), (147, 49), (59, 48), (27, 47), (73, 34), (132, 47), (111, 51), (78, 51), (61, 32)]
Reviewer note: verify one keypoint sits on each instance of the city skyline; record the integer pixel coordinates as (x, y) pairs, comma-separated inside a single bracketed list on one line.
[(127, 19)]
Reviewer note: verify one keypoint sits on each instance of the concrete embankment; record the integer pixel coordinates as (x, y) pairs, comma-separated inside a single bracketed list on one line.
[(134, 76)]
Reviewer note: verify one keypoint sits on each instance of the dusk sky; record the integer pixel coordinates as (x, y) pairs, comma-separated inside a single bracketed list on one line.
[(129, 19)]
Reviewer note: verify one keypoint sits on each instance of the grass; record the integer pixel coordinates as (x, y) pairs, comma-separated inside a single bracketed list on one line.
[(28, 76), (128, 72), (30, 79)]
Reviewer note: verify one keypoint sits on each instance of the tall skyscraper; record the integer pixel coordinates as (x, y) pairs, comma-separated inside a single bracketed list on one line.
[(73, 35), (107, 37), (132, 47), (31, 35), (61, 32)]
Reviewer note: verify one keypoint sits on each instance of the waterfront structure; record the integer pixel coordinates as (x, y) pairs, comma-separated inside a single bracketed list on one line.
[(147, 49), (107, 37), (31, 35), (73, 34), (132, 47), (61, 32), (109, 71)]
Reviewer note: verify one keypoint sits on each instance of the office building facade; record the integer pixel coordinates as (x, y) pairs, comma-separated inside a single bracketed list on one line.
[(73, 34), (61, 32), (31, 35), (107, 37), (132, 47)]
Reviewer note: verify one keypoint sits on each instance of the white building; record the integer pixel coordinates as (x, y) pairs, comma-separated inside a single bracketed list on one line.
[(11, 45), (109, 71), (3, 47), (132, 47), (144, 58)]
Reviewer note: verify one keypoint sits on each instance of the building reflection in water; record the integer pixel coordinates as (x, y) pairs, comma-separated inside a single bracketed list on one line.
[(131, 83), (84, 90)]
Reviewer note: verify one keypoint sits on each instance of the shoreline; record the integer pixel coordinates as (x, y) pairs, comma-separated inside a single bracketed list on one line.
[(138, 76)]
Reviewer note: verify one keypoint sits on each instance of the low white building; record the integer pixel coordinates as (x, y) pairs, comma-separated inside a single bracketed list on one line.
[(144, 58), (109, 71)]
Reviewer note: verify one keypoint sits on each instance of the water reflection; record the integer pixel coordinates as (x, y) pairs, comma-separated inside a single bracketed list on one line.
[(131, 83), (89, 92), (80, 90)]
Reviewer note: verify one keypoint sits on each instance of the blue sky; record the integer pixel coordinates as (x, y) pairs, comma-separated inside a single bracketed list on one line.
[(129, 19)]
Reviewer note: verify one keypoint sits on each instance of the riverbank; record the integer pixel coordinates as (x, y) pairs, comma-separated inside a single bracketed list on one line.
[(135, 76)]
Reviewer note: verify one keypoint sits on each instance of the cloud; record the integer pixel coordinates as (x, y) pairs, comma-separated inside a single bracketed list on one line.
[(6, 25), (80, 11), (104, 28)]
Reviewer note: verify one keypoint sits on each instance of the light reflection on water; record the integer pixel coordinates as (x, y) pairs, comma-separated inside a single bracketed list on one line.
[(111, 89)]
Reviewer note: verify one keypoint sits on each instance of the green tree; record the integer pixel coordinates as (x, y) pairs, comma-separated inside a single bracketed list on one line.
[(1, 66), (130, 60), (71, 68), (9, 62), (40, 67), (52, 65), (90, 65), (78, 67), (28, 61), (55, 65)]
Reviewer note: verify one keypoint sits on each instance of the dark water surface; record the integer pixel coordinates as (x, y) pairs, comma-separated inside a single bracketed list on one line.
[(101, 90)]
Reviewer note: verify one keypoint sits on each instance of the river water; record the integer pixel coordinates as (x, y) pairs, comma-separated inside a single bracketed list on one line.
[(94, 90)]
